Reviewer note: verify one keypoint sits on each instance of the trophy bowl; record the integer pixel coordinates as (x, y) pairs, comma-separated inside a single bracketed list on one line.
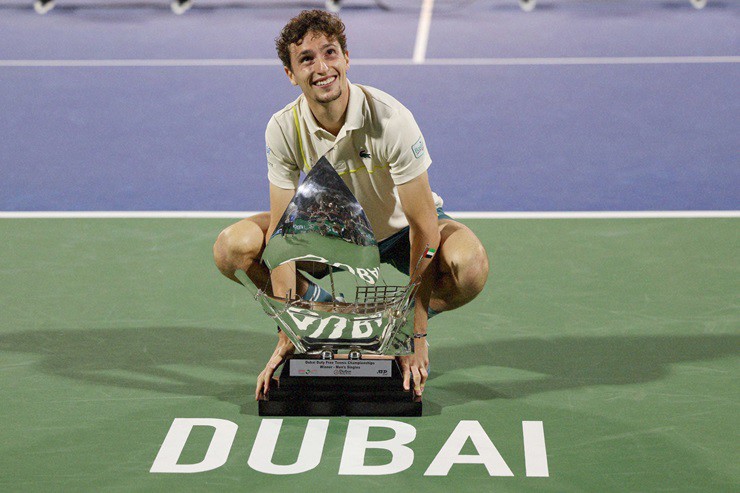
[(378, 322)]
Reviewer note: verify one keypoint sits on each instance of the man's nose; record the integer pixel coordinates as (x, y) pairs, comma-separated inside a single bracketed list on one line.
[(322, 65)]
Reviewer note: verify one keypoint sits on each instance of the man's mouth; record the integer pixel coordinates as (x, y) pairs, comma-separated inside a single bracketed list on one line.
[(325, 82)]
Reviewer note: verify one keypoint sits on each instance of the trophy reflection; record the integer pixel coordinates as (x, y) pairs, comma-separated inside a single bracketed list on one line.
[(344, 361)]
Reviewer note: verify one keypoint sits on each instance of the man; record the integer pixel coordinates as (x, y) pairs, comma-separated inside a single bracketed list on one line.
[(377, 148)]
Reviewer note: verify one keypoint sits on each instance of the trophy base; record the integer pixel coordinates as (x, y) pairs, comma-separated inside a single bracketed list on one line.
[(300, 393)]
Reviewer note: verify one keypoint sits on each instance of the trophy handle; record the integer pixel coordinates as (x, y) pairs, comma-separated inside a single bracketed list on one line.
[(246, 282), (273, 313)]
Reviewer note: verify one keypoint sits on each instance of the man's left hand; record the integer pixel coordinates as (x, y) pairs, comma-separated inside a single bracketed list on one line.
[(415, 366)]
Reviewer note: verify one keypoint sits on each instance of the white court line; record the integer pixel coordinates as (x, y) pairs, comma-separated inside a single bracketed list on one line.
[(597, 215), (648, 60), (175, 62), (422, 31), (252, 62), (461, 215)]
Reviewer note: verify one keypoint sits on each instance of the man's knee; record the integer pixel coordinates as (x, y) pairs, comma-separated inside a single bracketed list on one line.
[(470, 269), (464, 260), (238, 245)]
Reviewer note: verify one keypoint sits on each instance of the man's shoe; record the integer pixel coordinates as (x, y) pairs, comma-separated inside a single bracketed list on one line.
[(333, 6), (527, 5), (43, 6), (179, 7)]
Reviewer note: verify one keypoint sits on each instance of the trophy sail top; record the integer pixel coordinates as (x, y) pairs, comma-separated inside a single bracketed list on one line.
[(325, 224)]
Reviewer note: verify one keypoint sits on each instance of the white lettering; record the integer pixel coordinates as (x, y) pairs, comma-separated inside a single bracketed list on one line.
[(370, 276), (303, 318), (312, 447), (535, 453), (356, 443), (346, 267), (450, 454), (174, 443), (339, 323), (363, 328)]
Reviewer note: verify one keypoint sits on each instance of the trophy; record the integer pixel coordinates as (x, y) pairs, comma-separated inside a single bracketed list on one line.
[(344, 362)]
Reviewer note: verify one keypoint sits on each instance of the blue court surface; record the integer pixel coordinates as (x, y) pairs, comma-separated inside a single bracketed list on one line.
[(540, 110), (620, 333)]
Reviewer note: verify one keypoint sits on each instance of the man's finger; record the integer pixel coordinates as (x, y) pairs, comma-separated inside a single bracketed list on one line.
[(269, 371), (268, 377), (417, 380), (406, 378), (258, 389), (424, 375)]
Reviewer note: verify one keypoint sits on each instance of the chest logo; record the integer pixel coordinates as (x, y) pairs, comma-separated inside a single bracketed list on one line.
[(364, 154)]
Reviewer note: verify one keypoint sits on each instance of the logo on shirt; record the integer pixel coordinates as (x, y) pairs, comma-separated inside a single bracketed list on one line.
[(418, 148), (268, 150), (364, 154)]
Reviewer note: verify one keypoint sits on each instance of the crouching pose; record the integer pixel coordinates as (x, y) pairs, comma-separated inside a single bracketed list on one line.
[(376, 146)]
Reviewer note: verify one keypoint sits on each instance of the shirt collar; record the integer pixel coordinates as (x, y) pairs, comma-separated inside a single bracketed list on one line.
[(354, 119), (355, 114)]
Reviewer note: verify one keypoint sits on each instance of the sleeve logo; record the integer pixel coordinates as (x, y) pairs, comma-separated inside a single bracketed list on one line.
[(418, 148)]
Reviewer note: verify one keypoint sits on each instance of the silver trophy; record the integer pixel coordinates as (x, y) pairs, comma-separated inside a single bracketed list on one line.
[(344, 362)]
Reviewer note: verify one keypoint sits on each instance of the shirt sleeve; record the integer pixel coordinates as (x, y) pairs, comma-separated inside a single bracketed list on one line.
[(406, 149), (282, 169)]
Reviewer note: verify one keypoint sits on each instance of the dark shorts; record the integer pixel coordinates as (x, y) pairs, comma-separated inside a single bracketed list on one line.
[(395, 249)]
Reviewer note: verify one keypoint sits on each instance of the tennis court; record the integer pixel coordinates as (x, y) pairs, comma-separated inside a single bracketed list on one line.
[(592, 146)]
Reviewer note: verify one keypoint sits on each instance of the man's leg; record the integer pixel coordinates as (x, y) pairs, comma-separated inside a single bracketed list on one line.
[(240, 247), (463, 267)]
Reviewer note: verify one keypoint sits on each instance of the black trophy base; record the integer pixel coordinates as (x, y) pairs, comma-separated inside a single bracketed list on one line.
[(339, 396)]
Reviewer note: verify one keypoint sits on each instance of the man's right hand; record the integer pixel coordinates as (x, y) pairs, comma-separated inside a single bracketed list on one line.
[(283, 349)]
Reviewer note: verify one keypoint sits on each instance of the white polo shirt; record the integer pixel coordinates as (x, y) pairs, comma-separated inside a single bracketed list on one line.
[(379, 146)]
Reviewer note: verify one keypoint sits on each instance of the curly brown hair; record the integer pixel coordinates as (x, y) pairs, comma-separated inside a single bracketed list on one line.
[(317, 21)]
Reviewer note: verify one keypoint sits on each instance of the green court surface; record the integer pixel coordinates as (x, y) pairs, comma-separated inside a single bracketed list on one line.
[(621, 336)]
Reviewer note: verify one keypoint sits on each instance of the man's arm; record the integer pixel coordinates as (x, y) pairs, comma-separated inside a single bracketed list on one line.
[(283, 281), (418, 206)]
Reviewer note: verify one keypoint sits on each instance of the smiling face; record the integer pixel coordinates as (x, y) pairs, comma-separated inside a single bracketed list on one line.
[(319, 67)]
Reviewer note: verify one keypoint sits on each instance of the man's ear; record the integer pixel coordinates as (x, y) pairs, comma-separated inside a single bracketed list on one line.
[(289, 73), (346, 57)]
